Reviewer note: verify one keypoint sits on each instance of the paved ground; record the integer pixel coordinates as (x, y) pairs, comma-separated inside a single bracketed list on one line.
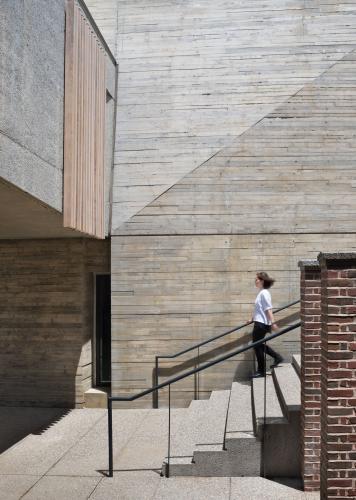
[(64, 456)]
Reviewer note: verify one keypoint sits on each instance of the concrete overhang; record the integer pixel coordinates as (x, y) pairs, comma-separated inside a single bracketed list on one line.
[(23, 216)]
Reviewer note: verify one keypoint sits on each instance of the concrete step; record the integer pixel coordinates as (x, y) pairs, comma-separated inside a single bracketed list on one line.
[(281, 434), (274, 413), (200, 434), (297, 363), (240, 418), (240, 442), (212, 429), (199, 447), (208, 421), (185, 437), (287, 385)]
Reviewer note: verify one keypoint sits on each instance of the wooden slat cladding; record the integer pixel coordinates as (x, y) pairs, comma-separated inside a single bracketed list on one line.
[(84, 133)]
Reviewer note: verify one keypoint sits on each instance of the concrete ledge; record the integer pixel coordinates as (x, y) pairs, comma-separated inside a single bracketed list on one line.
[(96, 398), (287, 385), (309, 264)]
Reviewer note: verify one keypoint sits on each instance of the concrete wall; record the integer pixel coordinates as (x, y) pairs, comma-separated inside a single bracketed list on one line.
[(32, 50), (293, 172), (46, 322), (170, 292), (234, 153), (31, 97), (183, 268), (194, 75)]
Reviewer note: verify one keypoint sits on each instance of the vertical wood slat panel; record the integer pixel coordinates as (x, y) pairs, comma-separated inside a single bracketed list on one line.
[(69, 118), (102, 136), (85, 101), (80, 134)]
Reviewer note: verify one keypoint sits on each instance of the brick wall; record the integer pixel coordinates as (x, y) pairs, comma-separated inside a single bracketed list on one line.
[(46, 319), (310, 373), (338, 372)]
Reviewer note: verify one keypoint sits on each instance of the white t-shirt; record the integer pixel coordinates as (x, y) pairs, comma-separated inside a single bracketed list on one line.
[(263, 302)]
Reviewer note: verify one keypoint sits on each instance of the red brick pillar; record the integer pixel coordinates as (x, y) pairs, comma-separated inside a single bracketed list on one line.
[(310, 373), (338, 376)]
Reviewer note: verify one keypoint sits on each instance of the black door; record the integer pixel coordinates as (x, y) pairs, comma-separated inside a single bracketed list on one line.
[(103, 330)]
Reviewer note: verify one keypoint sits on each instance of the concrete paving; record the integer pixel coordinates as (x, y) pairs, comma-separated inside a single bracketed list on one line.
[(68, 461)]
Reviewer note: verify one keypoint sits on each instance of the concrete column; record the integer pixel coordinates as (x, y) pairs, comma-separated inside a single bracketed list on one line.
[(310, 373), (338, 376)]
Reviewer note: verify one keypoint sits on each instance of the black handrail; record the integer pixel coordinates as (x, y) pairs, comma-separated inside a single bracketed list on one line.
[(211, 339), (182, 376), (200, 344)]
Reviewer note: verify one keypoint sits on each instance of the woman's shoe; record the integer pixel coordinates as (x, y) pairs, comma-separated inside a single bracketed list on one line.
[(257, 375), (277, 361)]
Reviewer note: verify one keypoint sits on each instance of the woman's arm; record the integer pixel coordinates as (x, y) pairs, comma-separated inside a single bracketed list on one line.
[(269, 314)]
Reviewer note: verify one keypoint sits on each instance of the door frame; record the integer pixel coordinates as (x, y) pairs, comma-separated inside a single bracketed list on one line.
[(94, 343)]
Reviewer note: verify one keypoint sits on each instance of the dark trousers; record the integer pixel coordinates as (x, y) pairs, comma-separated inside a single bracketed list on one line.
[(258, 333)]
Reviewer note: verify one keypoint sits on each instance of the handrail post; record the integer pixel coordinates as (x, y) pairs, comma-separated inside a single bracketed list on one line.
[(264, 412), (169, 432), (110, 437), (195, 382), (155, 394), (196, 377), (198, 374)]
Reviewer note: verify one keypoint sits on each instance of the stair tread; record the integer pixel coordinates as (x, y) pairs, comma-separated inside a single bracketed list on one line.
[(274, 412), (204, 424), (240, 410), (288, 383), (184, 438), (212, 428)]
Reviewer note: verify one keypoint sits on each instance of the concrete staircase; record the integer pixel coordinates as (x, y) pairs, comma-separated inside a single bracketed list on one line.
[(223, 436)]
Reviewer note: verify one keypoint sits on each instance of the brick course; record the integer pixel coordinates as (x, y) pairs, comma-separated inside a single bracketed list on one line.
[(338, 376), (310, 373)]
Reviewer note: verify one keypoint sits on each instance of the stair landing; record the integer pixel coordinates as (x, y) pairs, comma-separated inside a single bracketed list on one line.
[(67, 461)]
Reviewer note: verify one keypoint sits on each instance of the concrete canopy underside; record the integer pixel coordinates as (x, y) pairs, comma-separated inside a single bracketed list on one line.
[(23, 216)]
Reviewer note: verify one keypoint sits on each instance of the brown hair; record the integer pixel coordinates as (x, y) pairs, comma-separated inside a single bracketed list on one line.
[(267, 280)]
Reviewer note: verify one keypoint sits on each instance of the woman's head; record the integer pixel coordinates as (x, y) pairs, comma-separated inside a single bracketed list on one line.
[(263, 280)]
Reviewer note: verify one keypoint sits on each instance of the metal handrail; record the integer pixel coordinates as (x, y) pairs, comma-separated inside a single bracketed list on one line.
[(211, 339), (181, 377), (200, 344)]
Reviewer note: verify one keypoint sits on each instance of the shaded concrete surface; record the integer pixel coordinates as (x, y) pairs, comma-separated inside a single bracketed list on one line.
[(17, 423), (68, 460)]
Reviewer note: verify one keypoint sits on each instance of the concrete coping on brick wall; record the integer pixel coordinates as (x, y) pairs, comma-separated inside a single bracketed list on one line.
[(338, 259), (311, 264)]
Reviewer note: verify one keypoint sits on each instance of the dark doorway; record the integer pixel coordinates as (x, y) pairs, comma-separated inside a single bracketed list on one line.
[(103, 329)]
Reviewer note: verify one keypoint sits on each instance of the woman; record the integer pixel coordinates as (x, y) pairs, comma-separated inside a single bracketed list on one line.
[(263, 322)]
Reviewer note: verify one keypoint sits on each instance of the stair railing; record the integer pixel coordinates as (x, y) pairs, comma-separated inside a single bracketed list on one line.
[(155, 395), (173, 380)]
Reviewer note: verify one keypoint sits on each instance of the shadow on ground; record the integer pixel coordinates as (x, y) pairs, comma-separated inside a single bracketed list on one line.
[(16, 423)]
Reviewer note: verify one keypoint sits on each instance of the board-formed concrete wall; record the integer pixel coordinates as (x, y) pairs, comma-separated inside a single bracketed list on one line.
[(46, 325), (293, 172), (234, 154), (31, 97), (194, 75), (170, 292)]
